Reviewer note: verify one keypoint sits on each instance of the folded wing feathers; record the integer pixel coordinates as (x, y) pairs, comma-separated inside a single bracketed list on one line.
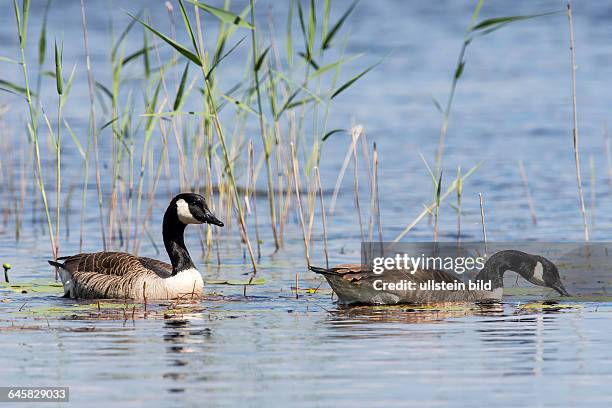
[(115, 275)]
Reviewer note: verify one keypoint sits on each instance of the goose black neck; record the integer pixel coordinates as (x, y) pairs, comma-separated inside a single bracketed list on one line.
[(173, 233), (502, 261)]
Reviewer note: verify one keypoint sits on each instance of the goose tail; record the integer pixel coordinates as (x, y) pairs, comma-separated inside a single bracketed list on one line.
[(56, 264), (65, 276), (322, 271)]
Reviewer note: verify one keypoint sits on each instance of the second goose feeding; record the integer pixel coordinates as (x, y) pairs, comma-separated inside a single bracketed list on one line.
[(357, 284)]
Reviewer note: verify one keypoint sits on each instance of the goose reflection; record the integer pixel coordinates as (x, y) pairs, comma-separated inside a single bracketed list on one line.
[(180, 337), (358, 318), (525, 340)]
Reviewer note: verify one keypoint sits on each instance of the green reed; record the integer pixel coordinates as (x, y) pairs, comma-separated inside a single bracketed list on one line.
[(21, 18)]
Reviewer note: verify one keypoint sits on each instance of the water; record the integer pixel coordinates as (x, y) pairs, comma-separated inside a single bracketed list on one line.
[(513, 103)]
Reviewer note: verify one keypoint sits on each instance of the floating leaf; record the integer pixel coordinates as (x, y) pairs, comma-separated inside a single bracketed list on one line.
[(35, 285), (250, 281)]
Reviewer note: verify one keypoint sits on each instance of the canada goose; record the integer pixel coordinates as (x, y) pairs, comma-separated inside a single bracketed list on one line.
[(356, 284), (119, 275)]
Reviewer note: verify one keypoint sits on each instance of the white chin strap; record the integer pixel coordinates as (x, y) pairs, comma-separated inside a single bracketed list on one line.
[(183, 213)]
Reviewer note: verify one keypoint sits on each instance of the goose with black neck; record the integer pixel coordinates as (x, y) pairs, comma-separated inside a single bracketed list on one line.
[(120, 275), (358, 284)]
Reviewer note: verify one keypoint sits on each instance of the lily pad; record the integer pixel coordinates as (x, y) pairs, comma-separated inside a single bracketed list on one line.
[(35, 285), (253, 281), (541, 305)]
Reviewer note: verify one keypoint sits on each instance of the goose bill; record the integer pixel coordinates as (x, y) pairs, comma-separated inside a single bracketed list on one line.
[(561, 289), (211, 219)]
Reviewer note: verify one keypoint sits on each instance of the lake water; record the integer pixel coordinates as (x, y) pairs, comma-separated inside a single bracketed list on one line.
[(513, 103)]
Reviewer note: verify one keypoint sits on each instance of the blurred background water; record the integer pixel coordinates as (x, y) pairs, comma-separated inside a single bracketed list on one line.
[(513, 103)]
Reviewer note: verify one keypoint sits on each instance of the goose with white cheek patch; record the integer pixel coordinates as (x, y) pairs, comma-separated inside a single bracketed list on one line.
[(119, 275), (358, 284)]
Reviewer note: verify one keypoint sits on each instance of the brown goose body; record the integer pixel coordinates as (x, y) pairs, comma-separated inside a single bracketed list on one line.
[(119, 275), (358, 284)]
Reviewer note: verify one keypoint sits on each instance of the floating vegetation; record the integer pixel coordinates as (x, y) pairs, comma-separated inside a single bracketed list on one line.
[(546, 307), (46, 286), (250, 281)]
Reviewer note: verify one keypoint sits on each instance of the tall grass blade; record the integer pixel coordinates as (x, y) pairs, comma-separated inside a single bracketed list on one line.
[(179, 93), (75, 139), (312, 27), (430, 207), (332, 132), (180, 48), (492, 24), (261, 59), (333, 65), (11, 87), (188, 27), (42, 39), (222, 57), (351, 81), (222, 15), (59, 81), (336, 27), (289, 39)]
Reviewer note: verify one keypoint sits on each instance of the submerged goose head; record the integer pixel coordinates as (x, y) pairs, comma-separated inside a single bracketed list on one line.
[(545, 273)]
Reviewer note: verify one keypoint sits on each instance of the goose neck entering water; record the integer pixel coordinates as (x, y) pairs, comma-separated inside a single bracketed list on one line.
[(509, 260)]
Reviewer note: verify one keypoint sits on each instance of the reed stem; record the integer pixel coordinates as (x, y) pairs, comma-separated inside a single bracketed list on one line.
[(575, 120)]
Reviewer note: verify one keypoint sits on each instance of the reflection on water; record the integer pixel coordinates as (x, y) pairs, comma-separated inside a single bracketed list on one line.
[(260, 353)]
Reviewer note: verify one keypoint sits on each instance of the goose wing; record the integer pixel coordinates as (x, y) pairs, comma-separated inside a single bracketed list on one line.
[(115, 264), (109, 274), (357, 272)]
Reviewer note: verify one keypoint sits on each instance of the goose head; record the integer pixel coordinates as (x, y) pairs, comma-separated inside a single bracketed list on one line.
[(191, 208), (534, 268), (545, 273)]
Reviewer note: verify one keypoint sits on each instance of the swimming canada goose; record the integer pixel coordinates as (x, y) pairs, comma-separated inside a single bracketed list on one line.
[(119, 275), (356, 284)]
